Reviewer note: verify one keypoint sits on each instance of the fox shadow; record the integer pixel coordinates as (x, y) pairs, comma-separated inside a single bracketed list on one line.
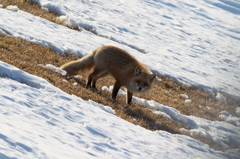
[(134, 111)]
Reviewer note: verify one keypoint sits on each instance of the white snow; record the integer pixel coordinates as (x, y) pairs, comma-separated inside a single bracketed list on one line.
[(184, 96), (12, 8), (77, 76), (75, 83), (54, 69), (188, 101), (221, 98), (238, 111), (193, 42), (160, 113), (225, 116)]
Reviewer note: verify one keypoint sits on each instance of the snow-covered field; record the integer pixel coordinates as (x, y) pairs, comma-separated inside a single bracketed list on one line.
[(195, 42)]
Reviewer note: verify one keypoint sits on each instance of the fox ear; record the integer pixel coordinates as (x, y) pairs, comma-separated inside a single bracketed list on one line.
[(137, 71), (152, 77)]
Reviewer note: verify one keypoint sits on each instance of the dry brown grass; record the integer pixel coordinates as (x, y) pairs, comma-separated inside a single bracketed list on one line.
[(27, 56)]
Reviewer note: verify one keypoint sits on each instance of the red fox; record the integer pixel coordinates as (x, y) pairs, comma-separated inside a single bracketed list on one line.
[(123, 67)]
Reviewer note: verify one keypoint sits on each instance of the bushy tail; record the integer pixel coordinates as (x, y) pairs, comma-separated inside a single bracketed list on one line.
[(85, 62)]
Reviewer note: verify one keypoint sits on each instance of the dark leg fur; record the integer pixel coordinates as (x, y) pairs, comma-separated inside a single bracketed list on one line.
[(95, 78), (129, 97), (116, 88), (89, 81), (91, 77)]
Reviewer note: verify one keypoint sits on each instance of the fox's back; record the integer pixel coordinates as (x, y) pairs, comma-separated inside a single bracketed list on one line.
[(111, 54), (114, 59)]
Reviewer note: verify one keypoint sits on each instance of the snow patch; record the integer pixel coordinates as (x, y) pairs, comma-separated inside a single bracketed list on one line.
[(54, 69), (158, 123), (2, 32), (221, 98), (8, 71), (184, 96), (160, 113), (67, 21), (12, 8), (227, 117), (78, 76), (238, 111), (223, 134), (75, 83), (188, 101)]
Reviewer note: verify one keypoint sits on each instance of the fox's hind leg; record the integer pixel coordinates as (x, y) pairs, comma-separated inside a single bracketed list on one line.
[(94, 76), (100, 75), (91, 76)]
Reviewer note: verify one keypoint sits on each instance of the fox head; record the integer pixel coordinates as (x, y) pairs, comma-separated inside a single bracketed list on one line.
[(142, 81)]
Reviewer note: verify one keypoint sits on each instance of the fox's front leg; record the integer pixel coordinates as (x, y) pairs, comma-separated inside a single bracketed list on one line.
[(129, 97), (116, 88)]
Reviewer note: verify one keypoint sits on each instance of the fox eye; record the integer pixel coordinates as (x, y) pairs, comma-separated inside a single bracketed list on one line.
[(145, 84), (138, 81)]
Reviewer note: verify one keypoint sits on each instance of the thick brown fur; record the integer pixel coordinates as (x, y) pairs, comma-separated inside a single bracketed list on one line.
[(123, 67)]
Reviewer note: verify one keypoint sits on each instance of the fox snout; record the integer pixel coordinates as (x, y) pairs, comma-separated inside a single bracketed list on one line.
[(142, 89), (139, 89), (141, 82)]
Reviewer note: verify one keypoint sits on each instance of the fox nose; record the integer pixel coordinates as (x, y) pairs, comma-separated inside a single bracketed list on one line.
[(140, 88)]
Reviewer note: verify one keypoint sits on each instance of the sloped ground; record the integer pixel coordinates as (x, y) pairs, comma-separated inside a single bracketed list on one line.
[(27, 56)]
